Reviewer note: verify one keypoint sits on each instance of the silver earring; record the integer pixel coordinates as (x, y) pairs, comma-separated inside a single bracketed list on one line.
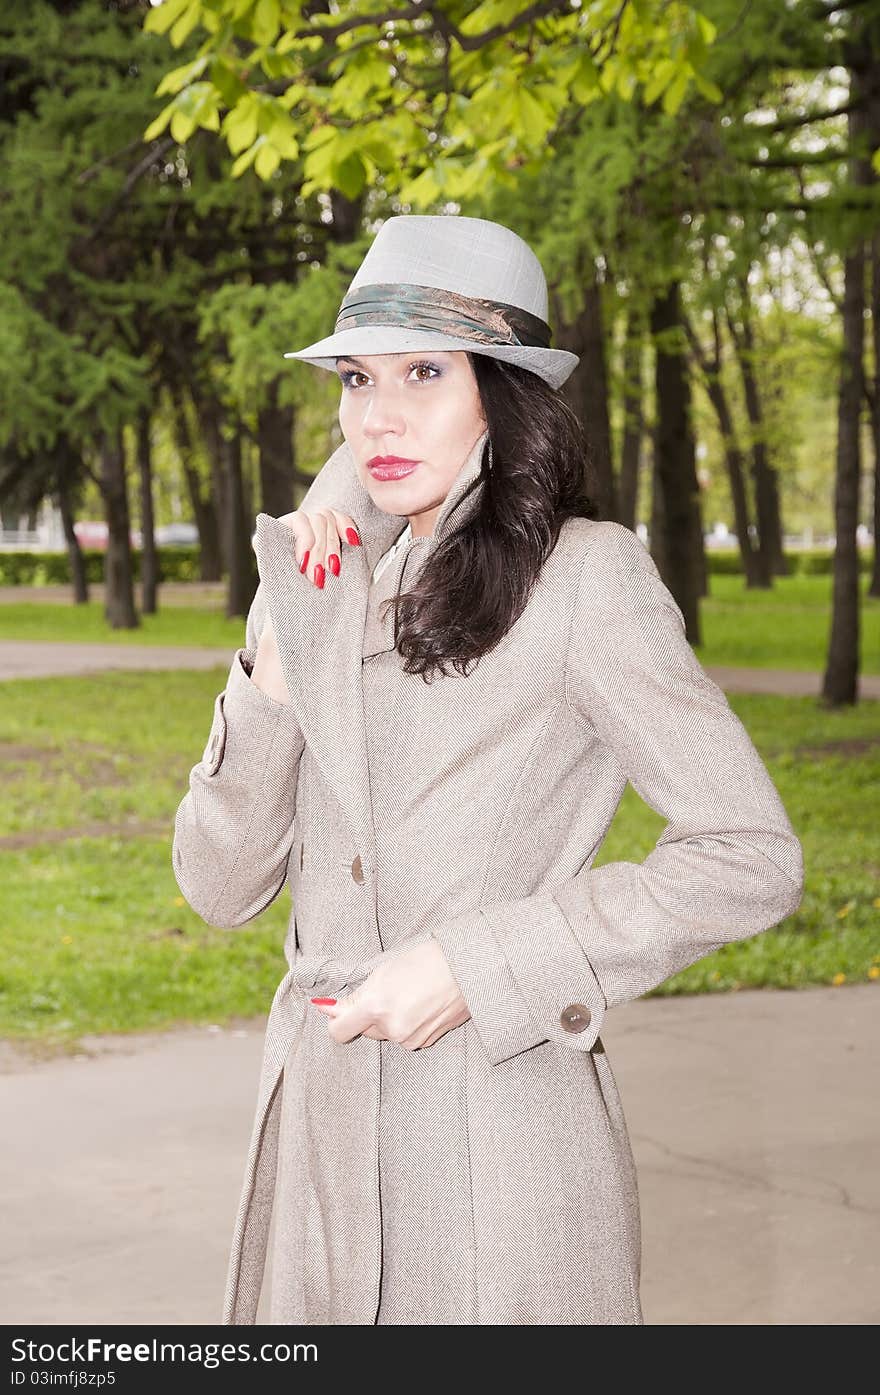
[(490, 456)]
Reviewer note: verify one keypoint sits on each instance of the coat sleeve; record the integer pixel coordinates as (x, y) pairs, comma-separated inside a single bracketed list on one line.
[(726, 866), (233, 830)]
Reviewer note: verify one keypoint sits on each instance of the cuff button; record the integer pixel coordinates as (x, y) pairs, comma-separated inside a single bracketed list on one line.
[(576, 1017)]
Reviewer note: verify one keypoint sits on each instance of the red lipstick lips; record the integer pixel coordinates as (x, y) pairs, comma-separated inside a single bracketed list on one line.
[(390, 467)]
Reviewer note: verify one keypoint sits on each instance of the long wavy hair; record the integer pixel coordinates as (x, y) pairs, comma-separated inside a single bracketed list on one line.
[(477, 581)]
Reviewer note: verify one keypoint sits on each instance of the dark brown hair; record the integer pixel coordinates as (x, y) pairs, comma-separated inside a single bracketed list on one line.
[(478, 579)]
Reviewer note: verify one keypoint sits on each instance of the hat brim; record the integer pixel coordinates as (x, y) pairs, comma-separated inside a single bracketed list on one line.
[(553, 365)]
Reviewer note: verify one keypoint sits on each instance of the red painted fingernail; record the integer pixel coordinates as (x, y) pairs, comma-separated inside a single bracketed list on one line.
[(352, 537), (319, 575), (333, 559), (322, 1000), (305, 561)]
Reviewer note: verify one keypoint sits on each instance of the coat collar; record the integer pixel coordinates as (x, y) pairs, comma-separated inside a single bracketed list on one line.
[(323, 635)]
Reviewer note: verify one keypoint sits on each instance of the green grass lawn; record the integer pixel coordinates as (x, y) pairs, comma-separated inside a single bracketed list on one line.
[(786, 627), (95, 937)]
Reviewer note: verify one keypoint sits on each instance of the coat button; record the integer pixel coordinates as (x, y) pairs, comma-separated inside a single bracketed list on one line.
[(575, 1018), (357, 870)]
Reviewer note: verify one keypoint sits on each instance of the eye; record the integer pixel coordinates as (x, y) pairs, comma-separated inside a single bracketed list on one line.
[(347, 376), (430, 367)]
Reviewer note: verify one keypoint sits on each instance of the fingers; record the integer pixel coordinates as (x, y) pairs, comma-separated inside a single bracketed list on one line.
[(319, 537), (425, 1036)]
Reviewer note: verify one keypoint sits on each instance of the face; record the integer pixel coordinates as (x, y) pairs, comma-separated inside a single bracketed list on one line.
[(422, 408)]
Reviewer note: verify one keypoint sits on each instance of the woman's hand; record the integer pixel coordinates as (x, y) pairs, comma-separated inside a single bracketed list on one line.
[(411, 998), (319, 534)]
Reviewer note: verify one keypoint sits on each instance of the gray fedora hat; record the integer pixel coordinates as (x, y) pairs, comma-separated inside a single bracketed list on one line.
[(446, 282)]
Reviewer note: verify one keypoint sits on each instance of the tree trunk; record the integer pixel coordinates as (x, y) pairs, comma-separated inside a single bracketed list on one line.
[(771, 559), (275, 439), (149, 557), (204, 509), (210, 415), (119, 606), (586, 390), (874, 585), (64, 501), (633, 422), (840, 682), (242, 563), (733, 458), (680, 545)]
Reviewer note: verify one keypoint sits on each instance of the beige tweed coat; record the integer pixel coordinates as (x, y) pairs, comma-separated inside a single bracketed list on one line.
[(470, 810)]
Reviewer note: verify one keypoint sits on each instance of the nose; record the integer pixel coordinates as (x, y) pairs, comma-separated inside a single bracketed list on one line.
[(382, 414)]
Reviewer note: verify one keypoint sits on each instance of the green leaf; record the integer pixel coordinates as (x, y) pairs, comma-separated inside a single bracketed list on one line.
[(195, 106), (586, 82), (675, 92), (664, 72), (181, 31), (420, 191), (320, 136), (287, 41), (265, 21), (626, 83), (240, 125), (707, 29), (708, 88), (247, 159), (182, 126), (267, 161), (349, 176), (534, 119), (291, 95), (156, 127), (180, 77), (275, 65), (485, 15), (160, 19), (227, 82), (282, 134)]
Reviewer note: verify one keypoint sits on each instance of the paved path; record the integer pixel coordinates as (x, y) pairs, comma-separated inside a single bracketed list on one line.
[(188, 593), (40, 659), (753, 1118)]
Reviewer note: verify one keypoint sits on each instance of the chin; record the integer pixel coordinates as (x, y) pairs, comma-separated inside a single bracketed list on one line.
[(392, 496)]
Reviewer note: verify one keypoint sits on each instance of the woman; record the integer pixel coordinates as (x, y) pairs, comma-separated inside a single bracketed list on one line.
[(427, 734)]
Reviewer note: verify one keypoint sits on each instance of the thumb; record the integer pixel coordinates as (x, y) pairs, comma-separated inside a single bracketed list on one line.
[(349, 1017)]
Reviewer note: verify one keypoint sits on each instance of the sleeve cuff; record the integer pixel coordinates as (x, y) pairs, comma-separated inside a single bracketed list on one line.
[(548, 963), (498, 1010), (524, 977), (244, 711)]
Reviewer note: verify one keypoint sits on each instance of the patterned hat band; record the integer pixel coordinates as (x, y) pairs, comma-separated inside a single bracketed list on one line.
[(429, 307)]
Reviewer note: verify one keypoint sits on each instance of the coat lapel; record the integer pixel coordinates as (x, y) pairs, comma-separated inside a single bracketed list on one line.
[(322, 634)]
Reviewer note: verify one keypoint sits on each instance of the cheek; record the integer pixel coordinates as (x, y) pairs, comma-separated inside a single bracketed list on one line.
[(346, 414)]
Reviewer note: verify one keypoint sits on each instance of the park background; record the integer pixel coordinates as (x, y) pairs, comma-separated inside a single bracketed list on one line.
[(189, 186)]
